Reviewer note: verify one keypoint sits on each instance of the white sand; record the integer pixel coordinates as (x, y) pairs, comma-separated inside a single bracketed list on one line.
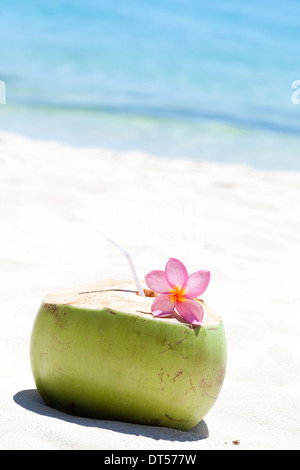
[(242, 224)]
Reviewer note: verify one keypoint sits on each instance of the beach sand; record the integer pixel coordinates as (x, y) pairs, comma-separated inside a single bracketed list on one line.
[(240, 223)]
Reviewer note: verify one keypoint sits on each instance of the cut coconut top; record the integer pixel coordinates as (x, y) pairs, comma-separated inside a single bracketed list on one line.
[(121, 296)]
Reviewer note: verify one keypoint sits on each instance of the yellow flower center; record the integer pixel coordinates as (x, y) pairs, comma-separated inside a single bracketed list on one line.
[(178, 294)]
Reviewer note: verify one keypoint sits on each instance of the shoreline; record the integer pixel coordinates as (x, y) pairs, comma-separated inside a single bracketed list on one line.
[(10, 137), (239, 222), (261, 150)]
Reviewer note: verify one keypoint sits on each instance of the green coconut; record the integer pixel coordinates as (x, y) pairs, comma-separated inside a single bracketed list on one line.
[(97, 351)]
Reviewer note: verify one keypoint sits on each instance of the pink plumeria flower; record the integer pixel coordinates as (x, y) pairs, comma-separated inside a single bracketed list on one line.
[(177, 290)]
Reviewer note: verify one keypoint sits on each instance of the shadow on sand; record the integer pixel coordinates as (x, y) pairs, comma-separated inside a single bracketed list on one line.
[(31, 400)]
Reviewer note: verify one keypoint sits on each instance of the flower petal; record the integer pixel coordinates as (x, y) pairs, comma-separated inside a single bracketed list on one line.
[(159, 313), (196, 284), (176, 272), (157, 281), (191, 311), (163, 305)]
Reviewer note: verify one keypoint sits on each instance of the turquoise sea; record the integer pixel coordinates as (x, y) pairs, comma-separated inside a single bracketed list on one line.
[(178, 78)]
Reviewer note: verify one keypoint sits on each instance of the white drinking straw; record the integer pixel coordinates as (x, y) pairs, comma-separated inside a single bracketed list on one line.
[(130, 262)]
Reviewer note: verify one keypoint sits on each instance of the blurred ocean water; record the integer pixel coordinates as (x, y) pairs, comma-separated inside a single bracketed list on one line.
[(178, 78)]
